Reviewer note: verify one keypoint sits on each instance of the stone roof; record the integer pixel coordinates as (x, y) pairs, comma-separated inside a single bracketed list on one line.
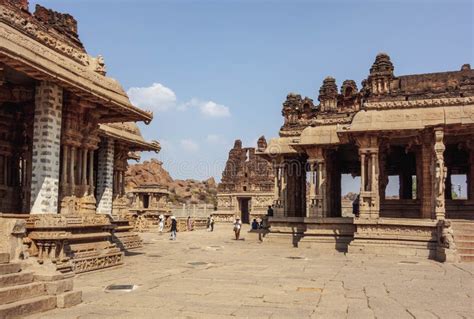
[(45, 46), (129, 133), (151, 188)]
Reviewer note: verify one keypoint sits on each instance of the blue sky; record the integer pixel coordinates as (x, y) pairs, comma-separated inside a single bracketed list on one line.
[(216, 71)]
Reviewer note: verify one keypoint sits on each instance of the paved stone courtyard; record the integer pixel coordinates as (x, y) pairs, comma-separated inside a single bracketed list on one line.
[(209, 275)]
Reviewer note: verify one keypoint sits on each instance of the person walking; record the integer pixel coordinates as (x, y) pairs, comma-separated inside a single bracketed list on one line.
[(208, 224), (270, 211), (237, 226), (161, 223), (173, 228), (211, 222), (190, 224)]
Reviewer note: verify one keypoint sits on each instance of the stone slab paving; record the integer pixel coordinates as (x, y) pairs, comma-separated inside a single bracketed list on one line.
[(209, 275)]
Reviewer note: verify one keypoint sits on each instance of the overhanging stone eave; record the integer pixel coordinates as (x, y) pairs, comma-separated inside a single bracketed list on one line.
[(134, 144), (321, 135), (23, 54), (373, 121)]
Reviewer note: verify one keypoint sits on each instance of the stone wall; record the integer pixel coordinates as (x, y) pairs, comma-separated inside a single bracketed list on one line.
[(46, 148)]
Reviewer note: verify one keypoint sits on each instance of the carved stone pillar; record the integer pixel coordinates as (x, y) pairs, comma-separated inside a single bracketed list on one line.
[(369, 203), (321, 194), (439, 173), (64, 165), (426, 181), (79, 166), (284, 189), (318, 183), (91, 172), (105, 177), (312, 188), (84, 167), (123, 184), (276, 185), (72, 177), (46, 148)]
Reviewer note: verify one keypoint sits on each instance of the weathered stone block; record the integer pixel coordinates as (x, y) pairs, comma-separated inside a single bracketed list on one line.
[(59, 287), (27, 307), (4, 258), (9, 268), (15, 279), (12, 294), (69, 299)]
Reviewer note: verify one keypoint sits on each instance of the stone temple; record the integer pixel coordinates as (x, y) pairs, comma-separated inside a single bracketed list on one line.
[(246, 187), (416, 131), (66, 133)]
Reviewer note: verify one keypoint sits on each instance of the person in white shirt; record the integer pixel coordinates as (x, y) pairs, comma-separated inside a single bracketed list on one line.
[(211, 223), (162, 223), (237, 227)]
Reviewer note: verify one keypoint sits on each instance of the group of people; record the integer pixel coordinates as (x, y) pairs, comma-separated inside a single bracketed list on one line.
[(173, 228), (210, 224)]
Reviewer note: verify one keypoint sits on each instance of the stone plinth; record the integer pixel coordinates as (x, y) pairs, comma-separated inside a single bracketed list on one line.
[(74, 243), (398, 236), (324, 233), (124, 236)]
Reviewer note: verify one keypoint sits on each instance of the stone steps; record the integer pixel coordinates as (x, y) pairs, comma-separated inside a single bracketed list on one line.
[(9, 268), (4, 258), (30, 306), (467, 258), (21, 292), (20, 278), (469, 238), (464, 243), (464, 238), (466, 251)]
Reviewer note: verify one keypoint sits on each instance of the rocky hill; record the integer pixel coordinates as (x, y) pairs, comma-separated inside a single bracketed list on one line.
[(187, 191)]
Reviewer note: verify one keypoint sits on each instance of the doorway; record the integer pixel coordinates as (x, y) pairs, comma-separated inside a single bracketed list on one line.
[(244, 209)]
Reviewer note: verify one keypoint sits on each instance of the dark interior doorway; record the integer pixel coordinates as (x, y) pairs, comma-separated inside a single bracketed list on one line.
[(244, 209), (146, 201)]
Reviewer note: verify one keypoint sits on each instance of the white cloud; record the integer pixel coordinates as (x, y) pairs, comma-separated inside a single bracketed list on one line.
[(216, 139), (156, 97), (189, 145), (207, 108), (212, 109)]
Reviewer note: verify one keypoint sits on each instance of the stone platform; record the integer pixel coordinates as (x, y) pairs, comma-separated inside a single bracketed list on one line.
[(210, 275)]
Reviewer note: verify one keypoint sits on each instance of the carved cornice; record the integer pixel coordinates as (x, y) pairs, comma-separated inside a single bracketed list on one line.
[(420, 103), (40, 34), (28, 51)]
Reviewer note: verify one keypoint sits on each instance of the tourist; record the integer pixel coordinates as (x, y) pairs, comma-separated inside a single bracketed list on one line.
[(173, 228), (211, 222), (261, 225), (208, 224), (270, 211), (254, 224), (189, 224), (237, 226), (161, 223)]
